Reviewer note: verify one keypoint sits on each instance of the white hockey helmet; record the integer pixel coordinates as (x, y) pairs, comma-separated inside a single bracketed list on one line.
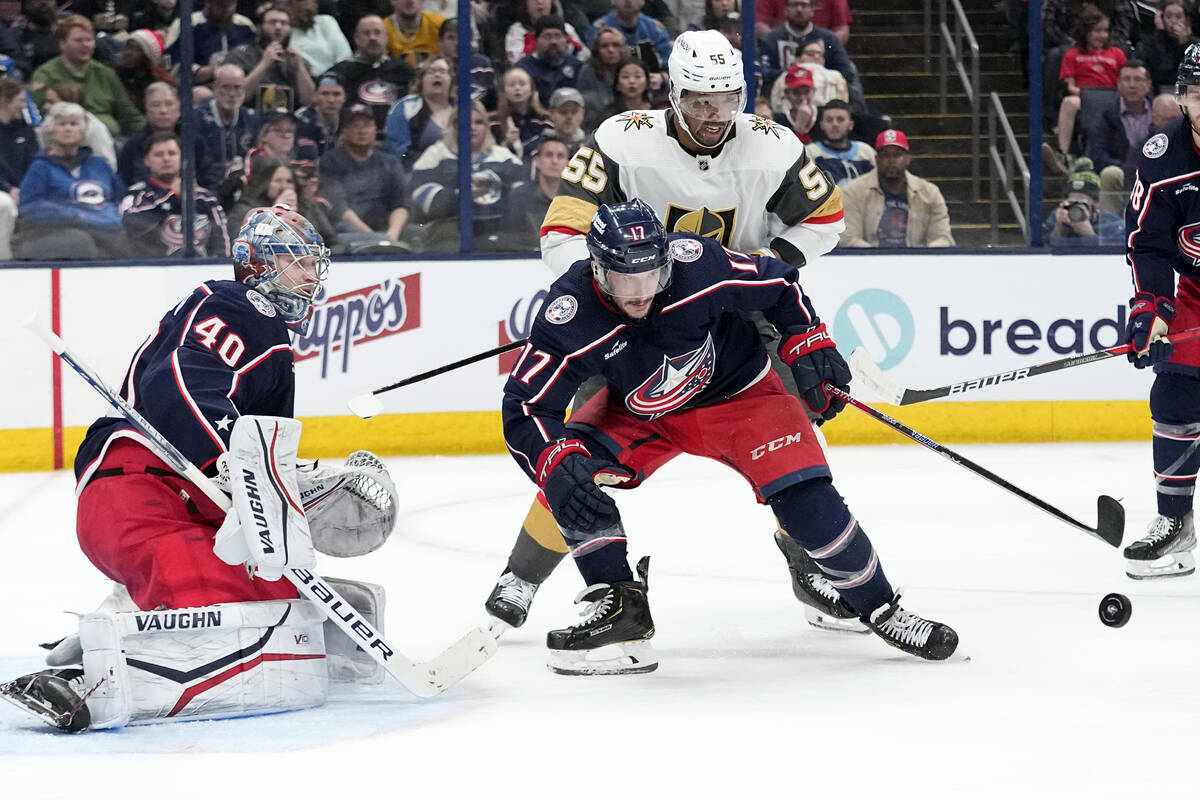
[(709, 69)]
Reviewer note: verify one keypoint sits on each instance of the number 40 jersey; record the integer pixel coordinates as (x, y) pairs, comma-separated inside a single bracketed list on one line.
[(758, 190)]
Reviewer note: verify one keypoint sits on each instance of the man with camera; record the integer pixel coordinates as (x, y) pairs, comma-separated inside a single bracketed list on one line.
[(276, 74), (1079, 221)]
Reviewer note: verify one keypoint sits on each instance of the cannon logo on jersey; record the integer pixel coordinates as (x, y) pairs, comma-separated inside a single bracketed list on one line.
[(703, 222), (677, 381), (88, 193), (358, 317), (1189, 242)]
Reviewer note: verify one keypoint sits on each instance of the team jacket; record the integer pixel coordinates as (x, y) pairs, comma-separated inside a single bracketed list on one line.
[(87, 195), (694, 349), (153, 219), (222, 352), (759, 190)]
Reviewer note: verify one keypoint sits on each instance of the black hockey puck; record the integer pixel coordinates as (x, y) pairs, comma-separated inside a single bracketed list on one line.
[(1115, 610)]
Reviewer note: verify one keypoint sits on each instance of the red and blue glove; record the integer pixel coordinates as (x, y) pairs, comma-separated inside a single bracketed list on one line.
[(1149, 319), (814, 359), (570, 479)]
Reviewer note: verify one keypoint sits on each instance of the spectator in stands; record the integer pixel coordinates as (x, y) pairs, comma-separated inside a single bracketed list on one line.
[(550, 65), (1060, 23), (494, 173), (1079, 221), (841, 158), (306, 176), (419, 120), (319, 121), (780, 46), (68, 201), (521, 39), (276, 74), (1094, 63), (369, 179), (227, 128), (891, 207), (277, 139), (529, 202), (162, 116), (828, 84), (96, 135), (596, 79), (800, 112), (483, 74), (567, 111), (412, 33), (103, 94), (38, 40), (639, 29), (152, 210), (1116, 136), (317, 37), (10, 34), (520, 116), (631, 89), (155, 15), (18, 143), (139, 64), (372, 77), (834, 15), (715, 11), (215, 31), (1164, 50), (275, 182)]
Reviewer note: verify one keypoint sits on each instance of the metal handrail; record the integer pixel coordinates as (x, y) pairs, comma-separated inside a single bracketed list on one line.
[(1001, 171), (951, 52)]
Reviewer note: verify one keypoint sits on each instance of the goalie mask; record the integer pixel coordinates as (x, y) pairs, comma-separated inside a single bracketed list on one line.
[(281, 255), (708, 87)]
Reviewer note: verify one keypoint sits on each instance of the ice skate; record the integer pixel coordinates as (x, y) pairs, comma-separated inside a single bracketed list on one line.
[(614, 637), (911, 633), (508, 604), (1165, 551), (55, 696), (823, 607)]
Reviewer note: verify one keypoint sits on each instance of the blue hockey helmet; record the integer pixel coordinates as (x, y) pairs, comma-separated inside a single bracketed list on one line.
[(628, 244), (281, 255)]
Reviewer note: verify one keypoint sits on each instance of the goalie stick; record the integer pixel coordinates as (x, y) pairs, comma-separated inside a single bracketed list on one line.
[(869, 373), (367, 404), (422, 678), (1110, 526)]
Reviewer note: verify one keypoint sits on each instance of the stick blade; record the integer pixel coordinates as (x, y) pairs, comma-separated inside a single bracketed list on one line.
[(868, 373), (365, 406), (1110, 525), (456, 662)]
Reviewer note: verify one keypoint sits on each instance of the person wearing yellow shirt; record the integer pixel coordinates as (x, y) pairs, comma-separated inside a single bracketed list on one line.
[(412, 34)]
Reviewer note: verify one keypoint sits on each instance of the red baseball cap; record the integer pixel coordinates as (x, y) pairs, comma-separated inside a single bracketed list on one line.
[(798, 75), (891, 138)]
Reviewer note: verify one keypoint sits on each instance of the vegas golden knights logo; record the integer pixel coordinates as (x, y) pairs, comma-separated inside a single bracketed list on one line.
[(710, 224)]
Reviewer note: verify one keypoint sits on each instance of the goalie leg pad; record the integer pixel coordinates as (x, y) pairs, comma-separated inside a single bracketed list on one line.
[(208, 662), (347, 662)]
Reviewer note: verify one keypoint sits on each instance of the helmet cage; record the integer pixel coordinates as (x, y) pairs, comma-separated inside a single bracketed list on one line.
[(703, 63)]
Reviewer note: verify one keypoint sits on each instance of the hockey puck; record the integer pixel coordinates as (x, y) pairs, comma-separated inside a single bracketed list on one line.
[(1115, 610)]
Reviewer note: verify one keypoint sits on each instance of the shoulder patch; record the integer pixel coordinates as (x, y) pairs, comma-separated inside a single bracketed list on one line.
[(264, 306), (1155, 146), (686, 250), (636, 120), (765, 125), (562, 310)]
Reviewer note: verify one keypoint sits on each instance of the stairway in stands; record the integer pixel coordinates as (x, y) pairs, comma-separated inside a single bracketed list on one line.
[(887, 45)]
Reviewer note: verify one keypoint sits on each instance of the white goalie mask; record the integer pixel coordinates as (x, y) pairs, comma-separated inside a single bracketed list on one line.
[(708, 88)]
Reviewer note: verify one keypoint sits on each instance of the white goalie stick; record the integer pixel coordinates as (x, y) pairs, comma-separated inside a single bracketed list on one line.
[(422, 678), (1110, 525), (869, 374)]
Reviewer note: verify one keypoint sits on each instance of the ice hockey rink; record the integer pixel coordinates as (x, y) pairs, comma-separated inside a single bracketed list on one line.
[(748, 702)]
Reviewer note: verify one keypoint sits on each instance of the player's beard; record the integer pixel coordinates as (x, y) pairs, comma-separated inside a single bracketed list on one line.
[(708, 134)]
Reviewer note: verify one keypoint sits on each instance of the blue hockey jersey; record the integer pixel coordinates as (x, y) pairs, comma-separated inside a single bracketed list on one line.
[(222, 352), (694, 348)]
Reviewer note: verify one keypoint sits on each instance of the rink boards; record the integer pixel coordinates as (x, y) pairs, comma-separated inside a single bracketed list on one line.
[(928, 319)]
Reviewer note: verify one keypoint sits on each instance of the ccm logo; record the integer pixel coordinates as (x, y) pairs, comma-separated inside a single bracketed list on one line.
[(773, 445), (811, 341)]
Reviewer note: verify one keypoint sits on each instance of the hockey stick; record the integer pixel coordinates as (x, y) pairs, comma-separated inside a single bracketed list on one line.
[(869, 373), (367, 405), (1110, 526), (422, 678)]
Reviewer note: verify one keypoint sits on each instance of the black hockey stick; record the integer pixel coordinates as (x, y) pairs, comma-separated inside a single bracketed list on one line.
[(1110, 526), (367, 405), (869, 373)]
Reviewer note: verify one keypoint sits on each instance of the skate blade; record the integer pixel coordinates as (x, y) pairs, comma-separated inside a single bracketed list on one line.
[(825, 622), (497, 627), (1172, 565), (624, 658), (14, 694)]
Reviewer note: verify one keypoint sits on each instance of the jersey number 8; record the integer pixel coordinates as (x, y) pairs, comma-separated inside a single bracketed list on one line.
[(586, 168)]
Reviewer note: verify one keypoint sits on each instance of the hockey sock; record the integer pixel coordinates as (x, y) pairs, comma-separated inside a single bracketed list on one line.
[(602, 556), (1176, 442), (539, 547), (816, 516)]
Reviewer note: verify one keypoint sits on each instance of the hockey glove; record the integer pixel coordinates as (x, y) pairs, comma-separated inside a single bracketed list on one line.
[(1149, 318), (570, 479), (814, 359)]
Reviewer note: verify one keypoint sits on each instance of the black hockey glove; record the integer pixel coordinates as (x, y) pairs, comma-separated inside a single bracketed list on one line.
[(814, 359), (571, 479), (1149, 319)]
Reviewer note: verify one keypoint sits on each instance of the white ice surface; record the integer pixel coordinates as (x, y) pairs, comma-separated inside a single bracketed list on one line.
[(748, 701)]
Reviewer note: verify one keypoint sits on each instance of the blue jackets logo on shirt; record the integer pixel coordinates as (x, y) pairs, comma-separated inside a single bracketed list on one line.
[(677, 381)]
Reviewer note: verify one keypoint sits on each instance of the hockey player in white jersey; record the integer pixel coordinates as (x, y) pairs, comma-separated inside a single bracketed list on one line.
[(705, 167)]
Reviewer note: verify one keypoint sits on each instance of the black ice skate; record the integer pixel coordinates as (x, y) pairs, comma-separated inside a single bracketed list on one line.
[(509, 602), (614, 637), (823, 607), (55, 696), (906, 631), (1165, 551)]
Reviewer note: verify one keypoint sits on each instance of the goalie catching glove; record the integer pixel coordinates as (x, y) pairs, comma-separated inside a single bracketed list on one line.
[(814, 360), (571, 479)]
